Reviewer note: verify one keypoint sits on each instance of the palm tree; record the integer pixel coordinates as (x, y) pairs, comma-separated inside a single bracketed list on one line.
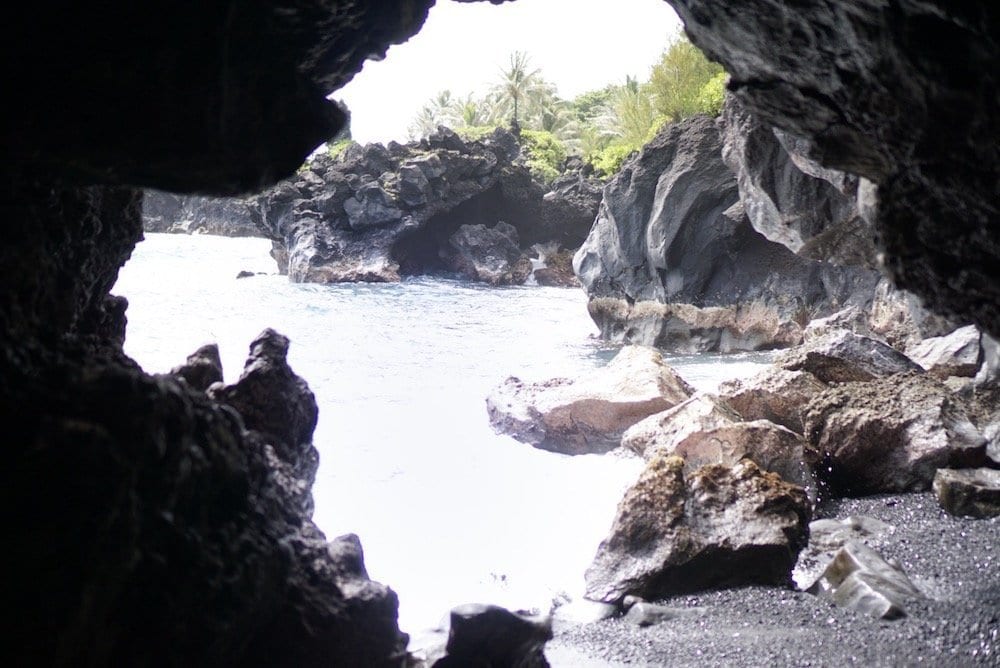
[(630, 116), (439, 110), (518, 84)]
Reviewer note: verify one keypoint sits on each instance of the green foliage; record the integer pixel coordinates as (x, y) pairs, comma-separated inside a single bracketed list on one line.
[(610, 159), (544, 153), (474, 132), (712, 93), (676, 82), (590, 105), (518, 86), (335, 149)]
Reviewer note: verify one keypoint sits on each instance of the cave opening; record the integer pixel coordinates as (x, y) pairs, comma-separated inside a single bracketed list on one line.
[(421, 251)]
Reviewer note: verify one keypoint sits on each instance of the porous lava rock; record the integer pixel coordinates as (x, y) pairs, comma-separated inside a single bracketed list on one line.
[(774, 394), (890, 434), (375, 213), (843, 357), (202, 368), (673, 261), (719, 526), (488, 635), (587, 414)]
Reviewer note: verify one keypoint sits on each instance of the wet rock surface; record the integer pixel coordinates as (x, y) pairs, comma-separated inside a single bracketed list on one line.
[(488, 635), (953, 561), (738, 291), (843, 357), (587, 414), (890, 435), (488, 255), (719, 526), (969, 492)]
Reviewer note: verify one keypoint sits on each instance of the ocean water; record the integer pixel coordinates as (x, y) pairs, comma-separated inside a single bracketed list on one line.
[(448, 511)]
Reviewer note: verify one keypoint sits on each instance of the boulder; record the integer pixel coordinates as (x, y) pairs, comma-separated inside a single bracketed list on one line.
[(774, 394), (643, 613), (890, 435), (850, 318), (860, 579), (202, 368), (673, 260), (557, 268), (587, 414), (488, 255), (969, 492), (719, 526), (827, 537), (661, 432), (844, 357), (900, 318), (956, 354), (488, 635), (772, 447)]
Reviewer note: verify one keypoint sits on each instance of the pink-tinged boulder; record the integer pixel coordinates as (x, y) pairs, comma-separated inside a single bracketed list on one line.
[(663, 431), (890, 435), (775, 394), (843, 357), (955, 354), (719, 526), (587, 414)]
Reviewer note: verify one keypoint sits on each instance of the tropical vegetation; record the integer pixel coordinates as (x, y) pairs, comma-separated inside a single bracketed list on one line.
[(602, 126)]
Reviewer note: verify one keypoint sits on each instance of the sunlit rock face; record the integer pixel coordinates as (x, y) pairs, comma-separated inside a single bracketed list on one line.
[(903, 94), (673, 260)]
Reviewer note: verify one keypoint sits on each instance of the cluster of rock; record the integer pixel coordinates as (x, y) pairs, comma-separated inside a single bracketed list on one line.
[(732, 477), (192, 214), (377, 213), (722, 234)]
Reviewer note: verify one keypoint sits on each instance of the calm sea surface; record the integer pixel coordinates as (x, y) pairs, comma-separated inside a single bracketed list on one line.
[(448, 511)]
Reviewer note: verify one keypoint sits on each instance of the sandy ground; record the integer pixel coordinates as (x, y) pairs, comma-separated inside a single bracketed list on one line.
[(955, 561)]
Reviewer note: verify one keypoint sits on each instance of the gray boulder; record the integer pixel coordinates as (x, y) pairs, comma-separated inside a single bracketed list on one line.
[(488, 635), (890, 434), (719, 526), (860, 579), (843, 357), (587, 414), (774, 394), (673, 261), (662, 432), (827, 537), (969, 492), (956, 354)]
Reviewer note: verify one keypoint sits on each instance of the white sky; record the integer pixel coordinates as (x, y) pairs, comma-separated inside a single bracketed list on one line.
[(579, 45)]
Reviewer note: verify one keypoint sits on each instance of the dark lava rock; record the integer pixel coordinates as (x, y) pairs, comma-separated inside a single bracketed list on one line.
[(488, 635), (587, 414), (902, 119), (288, 423), (860, 579), (558, 270), (488, 255), (375, 215), (789, 198), (970, 492), (891, 434), (673, 261), (202, 368), (718, 527), (844, 357), (183, 214)]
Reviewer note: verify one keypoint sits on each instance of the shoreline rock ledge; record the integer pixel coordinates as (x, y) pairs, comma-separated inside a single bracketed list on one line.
[(587, 414)]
